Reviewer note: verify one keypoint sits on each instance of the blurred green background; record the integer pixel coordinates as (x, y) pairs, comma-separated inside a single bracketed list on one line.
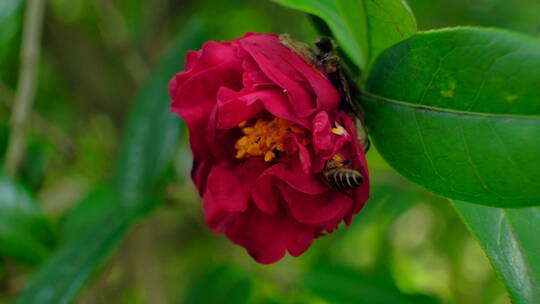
[(406, 246)]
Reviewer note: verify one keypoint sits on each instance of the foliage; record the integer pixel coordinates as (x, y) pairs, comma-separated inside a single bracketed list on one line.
[(25, 232), (462, 101), (363, 28), (509, 236), (146, 149)]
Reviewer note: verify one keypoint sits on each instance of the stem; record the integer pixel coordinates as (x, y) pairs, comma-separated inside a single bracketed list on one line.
[(39, 124), (26, 85)]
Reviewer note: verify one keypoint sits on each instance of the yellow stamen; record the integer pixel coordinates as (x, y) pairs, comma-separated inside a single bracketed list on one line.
[(268, 156), (248, 131), (338, 130), (337, 157), (265, 138), (338, 161)]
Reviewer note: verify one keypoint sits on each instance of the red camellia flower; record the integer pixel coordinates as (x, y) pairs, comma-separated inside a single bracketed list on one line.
[(263, 123)]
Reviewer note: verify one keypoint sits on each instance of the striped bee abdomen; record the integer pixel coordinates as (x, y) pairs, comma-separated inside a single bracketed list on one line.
[(344, 178)]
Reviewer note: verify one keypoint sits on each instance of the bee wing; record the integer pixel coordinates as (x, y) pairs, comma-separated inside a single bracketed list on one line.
[(301, 49), (362, 134), (348, 90)]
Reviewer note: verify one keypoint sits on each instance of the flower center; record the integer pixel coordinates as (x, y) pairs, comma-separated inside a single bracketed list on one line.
[(265, 138)]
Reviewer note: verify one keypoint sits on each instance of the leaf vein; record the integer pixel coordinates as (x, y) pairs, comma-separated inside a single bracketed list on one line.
[(426, 153), (473, 166), (428, 86)]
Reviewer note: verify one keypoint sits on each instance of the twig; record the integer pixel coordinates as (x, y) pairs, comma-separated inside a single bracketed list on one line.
[(39, 124), (26, 86)]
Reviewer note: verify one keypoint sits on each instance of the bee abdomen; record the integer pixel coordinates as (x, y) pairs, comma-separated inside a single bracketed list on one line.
[(345, 179)]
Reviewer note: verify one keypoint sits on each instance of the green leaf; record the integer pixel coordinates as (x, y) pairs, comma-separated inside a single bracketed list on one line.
[(150, 138), (33, 168), (25, 232), (82, 218), (457, 111), (339, 284), (363, 28), (510, 239), (388, 22), (60, 279)]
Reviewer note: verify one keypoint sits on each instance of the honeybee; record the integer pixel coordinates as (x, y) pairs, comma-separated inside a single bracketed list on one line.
[(339, 176), (328, 61)]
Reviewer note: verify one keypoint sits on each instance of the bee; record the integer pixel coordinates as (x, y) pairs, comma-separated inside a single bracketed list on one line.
[(339, 176), (335, 171), (328, 61)]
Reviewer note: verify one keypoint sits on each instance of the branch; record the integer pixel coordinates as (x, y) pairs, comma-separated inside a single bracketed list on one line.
[(39, 124), (26, 85)]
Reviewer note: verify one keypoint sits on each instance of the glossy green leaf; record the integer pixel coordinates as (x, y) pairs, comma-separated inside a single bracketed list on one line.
[(25, 232), (363, 28), (457, 111), (150, 138), (338, 284), (510, 239)]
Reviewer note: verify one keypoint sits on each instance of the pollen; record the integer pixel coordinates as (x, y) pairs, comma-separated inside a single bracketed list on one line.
[(338, 160), (338, 130), (266, 138)]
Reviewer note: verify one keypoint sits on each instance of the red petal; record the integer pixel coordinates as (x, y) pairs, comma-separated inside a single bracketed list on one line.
[(265, 196), (322, 139), (226, 189), (192, 58), (217, 219), (330, 206), (293, 175), (286, 69), (303, 156), (199, 173), (196, 98), (266, 238), (236, 107), (253, 76)]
